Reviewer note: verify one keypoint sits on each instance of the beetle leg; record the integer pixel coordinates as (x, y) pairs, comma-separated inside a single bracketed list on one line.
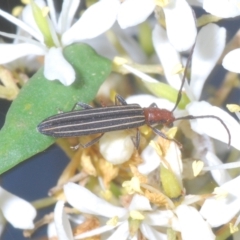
[(153, 105), (136, 139), (161, 134), (95, 140), (82, 105), (120, 99)]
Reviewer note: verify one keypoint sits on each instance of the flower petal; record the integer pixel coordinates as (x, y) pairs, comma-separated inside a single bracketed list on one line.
[(122, 232), (52, 12), (193, 226), (220, 176), (51, 231), (220, 211), (167, 55), (151, 160), (97, 19), (140, 203), (64, 231), (130, 44), (67, 14), (56, 67), (222, 8), (180, 25), (212, 127), (145, 100), (161, 218), (209, 47), (151, 233), (22, 25), (11, 52), (231, 61), (141, 9), (86, 202), (16, 210), (117, 147)]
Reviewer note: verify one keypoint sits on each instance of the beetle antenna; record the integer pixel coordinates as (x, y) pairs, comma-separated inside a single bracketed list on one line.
[(209, 116), (179, 96)]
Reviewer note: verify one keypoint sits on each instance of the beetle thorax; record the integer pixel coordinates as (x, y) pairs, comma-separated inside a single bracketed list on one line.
[(158, 116)]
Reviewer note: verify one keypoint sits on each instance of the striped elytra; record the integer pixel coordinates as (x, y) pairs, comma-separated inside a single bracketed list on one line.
[(92, 121)]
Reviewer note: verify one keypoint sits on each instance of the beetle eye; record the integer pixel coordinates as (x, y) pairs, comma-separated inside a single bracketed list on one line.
[(170, 125)]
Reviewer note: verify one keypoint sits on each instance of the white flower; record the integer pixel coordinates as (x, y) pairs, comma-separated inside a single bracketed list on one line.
[(51, 36), (192, 225), (139, 215), (16, 211), (139, 210), (219, 211), (47, 42), (180, 23), (209, 46)]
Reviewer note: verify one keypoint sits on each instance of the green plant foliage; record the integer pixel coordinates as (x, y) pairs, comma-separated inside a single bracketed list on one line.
[(40, 98)]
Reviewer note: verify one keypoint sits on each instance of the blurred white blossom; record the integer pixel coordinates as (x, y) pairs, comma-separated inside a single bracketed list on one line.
[(16, 211)]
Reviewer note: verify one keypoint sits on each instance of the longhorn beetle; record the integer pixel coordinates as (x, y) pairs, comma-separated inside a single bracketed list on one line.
[(111, 118)]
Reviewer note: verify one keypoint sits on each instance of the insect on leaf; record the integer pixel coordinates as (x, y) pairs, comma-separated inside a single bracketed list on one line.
[(40, 98)]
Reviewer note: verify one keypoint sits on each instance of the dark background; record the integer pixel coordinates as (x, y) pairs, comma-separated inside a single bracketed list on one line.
[(32, 179)]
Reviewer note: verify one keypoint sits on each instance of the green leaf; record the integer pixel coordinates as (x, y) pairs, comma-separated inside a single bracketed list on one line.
[(40, 98)]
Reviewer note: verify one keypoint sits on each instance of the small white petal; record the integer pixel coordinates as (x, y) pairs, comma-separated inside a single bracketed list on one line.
[(212, 127), (180, 24), (22, 25), (162, 218), (52, 11), (151, 233), (130, 44), (86, 202), (97, 19), (209, 47), (167, 55), (56, 67), (122, 232), (62, 224), (140, 203), (231, 61), (65, 19), (11, 52), (220, 211), (220, 176), (117, 147), (141, 9), (17, 211), (222, 8), (19, 38), (51, 231), (192, 224), (145, 100), (151, 160)]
